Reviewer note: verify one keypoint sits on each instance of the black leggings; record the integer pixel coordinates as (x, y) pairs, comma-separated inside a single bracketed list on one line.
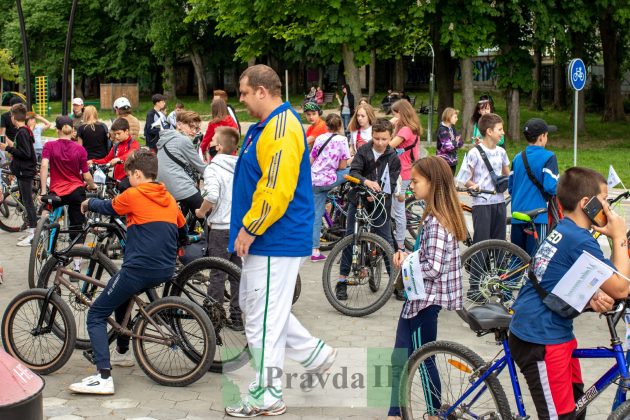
[(73, 201), (189, 205), (25, 186)]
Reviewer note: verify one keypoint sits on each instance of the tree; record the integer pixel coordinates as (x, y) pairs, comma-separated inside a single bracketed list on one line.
[(8, 69)]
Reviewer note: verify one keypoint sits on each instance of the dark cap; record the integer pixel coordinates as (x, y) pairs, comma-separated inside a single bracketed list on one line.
[(62, 120), (537, 126), (157, 98)]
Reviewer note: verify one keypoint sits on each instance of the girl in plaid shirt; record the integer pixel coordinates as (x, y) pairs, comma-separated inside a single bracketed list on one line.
[(443, 227)]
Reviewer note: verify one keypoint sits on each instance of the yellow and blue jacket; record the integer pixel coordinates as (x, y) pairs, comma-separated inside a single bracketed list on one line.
[(272, 193)]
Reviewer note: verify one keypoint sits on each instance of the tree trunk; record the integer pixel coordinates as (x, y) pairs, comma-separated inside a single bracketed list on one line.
[(468, 97), (320, 78), (78, 89), (512, 98), (251, 62), (169, 79), (535, 103), (351, 72), (611, 46), (399, 75), (372, 80), (445, 68), (200, 73), (559, 80)]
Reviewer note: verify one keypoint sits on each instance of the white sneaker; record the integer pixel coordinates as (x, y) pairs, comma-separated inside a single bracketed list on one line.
[(26, 242), (94, 385), (323, 368), (121, 359)]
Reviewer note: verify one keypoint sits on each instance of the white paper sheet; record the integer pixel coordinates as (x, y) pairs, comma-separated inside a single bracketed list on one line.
[(412, 277), (580, 283)]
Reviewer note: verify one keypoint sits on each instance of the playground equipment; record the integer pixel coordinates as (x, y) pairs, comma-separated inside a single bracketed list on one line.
[(41, 95)]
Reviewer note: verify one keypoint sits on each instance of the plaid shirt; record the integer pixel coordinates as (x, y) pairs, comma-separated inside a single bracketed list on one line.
[(441, 270)]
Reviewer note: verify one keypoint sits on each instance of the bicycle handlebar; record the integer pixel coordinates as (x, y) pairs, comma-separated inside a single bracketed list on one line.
[(475, 193), (620, 197), (352, 179)]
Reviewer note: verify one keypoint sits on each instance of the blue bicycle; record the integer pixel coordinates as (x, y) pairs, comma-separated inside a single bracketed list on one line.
[(446, 380)]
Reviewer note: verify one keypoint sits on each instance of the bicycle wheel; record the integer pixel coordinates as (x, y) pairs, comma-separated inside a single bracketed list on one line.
[(621, 413), (332, 234), (438, 374), (41, 246), (13, 215), (414, 209), (193, 283), (493, 270), (366, 292), (187, 331), (48, 350), (93, 264)]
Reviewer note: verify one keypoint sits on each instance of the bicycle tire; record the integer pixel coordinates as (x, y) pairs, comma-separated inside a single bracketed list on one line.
[(621, 413), (97, 263), (374, 304), (39, 251), (333, 234), (233, 351), (489, 264), (413, 216), (15, 220), (10, 335), (169, 312), (457, 358)]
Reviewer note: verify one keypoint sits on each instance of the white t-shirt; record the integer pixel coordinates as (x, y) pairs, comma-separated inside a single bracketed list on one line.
[(480, 175), (376, 154), (366, 135)]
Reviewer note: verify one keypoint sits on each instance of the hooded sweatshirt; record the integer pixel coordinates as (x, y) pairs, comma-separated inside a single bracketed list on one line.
[(176, 180), (218, 179), (153, 220), (24, 162)]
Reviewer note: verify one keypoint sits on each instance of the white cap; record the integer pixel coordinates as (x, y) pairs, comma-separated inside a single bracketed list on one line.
[(77, 101), (122, 102)]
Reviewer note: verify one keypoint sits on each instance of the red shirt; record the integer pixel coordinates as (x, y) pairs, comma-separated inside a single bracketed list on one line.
[(68, 163), (121, 150), (207, 138), (317, 129)]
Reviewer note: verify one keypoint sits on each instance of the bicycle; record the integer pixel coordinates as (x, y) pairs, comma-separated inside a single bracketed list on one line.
[(368, 256), (173, 339), (334, 223), (496, 269), (12, 210), (474, 390)]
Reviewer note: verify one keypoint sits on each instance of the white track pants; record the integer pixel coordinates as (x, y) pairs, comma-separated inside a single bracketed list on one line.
[(266, 293)]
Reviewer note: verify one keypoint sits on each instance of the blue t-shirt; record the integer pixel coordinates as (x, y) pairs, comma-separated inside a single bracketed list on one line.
[(533, 321)]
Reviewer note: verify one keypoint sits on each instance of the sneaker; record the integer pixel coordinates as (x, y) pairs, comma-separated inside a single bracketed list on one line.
[(121, 359), (236, 324), (244, 409), (318, 258), (94, 385), (26, 242), (341, 291), (323, 368)]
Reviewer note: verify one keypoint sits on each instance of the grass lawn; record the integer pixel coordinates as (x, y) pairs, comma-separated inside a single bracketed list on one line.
[(604, 144)]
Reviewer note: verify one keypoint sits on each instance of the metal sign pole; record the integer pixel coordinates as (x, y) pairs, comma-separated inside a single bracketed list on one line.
[(575, 126)]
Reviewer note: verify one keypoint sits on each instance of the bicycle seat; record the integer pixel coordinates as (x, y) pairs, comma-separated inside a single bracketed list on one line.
[(490, 316), (528, 216), (51, 199)]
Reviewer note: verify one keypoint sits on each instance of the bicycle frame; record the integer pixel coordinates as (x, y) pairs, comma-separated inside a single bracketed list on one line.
[(618, 370), (61, 281)]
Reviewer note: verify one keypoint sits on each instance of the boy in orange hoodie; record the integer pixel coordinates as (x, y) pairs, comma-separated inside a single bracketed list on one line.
[(155, 226)]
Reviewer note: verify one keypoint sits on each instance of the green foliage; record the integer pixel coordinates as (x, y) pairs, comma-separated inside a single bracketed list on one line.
[(8, 69)]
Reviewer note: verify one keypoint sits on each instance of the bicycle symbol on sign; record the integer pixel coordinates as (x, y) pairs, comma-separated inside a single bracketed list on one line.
[(578, 74)]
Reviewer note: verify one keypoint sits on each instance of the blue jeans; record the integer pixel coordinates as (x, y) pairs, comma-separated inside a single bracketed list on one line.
[(525, 241), (115, 297), (319, 196), (346, 120)]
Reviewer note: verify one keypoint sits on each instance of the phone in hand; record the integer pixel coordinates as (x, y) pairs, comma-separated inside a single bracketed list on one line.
[(595, 212)]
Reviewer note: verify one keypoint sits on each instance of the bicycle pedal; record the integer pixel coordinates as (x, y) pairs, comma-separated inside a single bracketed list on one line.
[(89, 355)]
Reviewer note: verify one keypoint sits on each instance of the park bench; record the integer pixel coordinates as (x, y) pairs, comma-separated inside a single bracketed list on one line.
[(328, 98)]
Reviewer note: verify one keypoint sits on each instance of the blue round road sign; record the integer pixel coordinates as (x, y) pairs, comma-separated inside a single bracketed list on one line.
[(577, 74)]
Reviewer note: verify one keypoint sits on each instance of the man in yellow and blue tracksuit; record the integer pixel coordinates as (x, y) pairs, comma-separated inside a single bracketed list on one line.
[(271, 227)]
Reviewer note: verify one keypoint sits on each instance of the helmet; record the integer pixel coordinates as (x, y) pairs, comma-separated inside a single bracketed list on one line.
[(122, 103), (311, 106)]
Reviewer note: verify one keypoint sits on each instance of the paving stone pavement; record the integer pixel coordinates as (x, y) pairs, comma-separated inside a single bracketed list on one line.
[(137, 397)]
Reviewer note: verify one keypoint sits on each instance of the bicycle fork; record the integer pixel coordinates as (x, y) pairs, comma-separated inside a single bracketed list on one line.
[(39, 328)]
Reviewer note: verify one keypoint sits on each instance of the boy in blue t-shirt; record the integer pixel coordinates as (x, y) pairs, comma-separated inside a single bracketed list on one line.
[(526, 195), (542, 341)]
